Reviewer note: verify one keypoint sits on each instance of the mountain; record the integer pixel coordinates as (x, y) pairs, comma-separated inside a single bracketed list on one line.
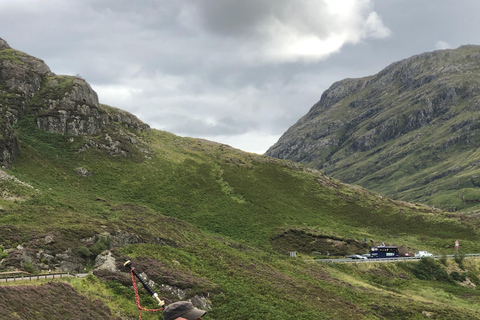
[(85, 187), (410, 132), (60, 104)]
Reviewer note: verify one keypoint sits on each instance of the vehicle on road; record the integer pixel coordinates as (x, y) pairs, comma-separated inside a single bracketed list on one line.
[(383, 252), (420, 254), (356, 256)]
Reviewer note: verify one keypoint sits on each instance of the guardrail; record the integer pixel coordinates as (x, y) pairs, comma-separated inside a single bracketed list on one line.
[(31, 277), (347, 260)]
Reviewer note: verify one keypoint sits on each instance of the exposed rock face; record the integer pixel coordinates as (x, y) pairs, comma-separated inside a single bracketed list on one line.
[(61, 104), (76, 112), (128, 120), (8, 146), (405, 121), (83, 172), (106, 261), (20, 78), (3, 44), (69, 262)]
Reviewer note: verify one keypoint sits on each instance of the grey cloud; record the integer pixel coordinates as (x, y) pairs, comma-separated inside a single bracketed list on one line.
[(234, 18), (246, 18)]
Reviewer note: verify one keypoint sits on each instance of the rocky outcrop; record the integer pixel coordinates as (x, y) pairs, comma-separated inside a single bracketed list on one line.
[(60, 104), (3, 44), (106, 261), (38, 253), (8, 146), (20, 79), (127, 119), (75, 111), (69, 262)]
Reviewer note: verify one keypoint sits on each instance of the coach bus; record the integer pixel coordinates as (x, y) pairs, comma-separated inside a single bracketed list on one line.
[(383, 252)]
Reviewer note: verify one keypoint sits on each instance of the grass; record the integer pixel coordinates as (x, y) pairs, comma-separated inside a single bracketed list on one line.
[(14, 56), (218, 223), (54, 88), (226, 197), (224, 247)]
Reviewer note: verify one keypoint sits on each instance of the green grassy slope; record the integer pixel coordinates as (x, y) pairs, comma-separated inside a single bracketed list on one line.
[(218, 222), (243, 196)]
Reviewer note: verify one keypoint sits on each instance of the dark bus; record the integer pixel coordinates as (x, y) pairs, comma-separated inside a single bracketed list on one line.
[(383, 252)]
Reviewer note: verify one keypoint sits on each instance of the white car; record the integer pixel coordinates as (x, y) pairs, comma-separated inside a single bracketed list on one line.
[(420, 254), (357, 256)]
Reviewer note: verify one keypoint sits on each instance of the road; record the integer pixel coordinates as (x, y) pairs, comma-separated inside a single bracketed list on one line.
[(349, 260)]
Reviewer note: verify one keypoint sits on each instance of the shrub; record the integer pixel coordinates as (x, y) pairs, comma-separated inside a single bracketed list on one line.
[(119, 289), (444, 260), (84, 252), (103, 243), (472, 275), (30, 268), (3, 253), (429, 269), (91, 278), (459, 257), (460, 277)]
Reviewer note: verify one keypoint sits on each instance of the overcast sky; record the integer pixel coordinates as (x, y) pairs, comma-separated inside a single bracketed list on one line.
[(239, 72)]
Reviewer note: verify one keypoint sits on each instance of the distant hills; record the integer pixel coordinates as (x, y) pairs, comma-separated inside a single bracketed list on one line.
[(410, 132), (85, 187)]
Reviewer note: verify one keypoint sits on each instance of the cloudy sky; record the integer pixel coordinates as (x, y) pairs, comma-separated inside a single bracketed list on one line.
[(239, 72)]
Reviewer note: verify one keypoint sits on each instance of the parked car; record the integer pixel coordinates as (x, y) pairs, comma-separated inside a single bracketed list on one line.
[(356, 256), (420, 254)]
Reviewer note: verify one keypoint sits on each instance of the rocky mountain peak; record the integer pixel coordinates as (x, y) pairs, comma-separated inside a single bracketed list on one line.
[(3, 44), (405, 123), (60, 104)]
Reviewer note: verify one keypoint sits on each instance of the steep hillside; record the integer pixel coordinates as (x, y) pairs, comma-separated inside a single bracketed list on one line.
[(410, 132), (86, 187)]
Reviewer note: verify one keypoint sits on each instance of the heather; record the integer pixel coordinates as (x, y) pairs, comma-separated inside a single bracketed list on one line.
[(54, 300)]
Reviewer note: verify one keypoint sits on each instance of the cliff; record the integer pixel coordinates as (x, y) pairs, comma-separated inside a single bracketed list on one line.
[(61, 104)]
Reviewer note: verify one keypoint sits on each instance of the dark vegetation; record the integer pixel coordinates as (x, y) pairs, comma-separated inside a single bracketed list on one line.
[(50, 301)]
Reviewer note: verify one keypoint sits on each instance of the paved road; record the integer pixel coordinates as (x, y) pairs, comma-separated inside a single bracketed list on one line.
[(347, 260)]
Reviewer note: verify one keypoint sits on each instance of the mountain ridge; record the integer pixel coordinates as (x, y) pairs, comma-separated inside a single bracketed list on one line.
[(366, 131)]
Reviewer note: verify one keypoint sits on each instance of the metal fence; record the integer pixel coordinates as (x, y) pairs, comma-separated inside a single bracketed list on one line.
[(24, 276)]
